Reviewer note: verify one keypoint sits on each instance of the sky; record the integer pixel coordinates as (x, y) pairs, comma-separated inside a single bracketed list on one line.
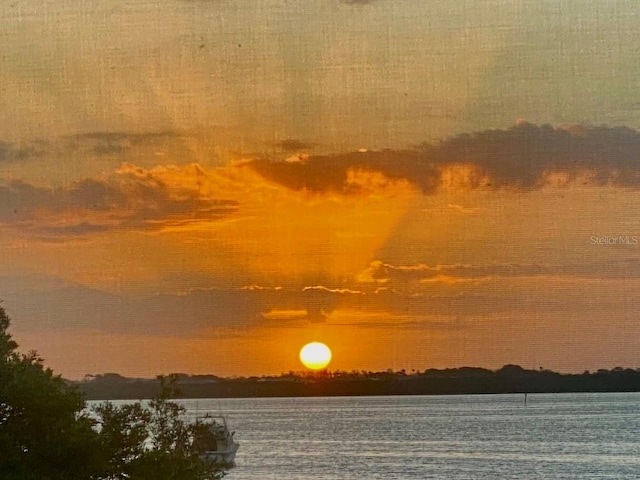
[(204, 186)]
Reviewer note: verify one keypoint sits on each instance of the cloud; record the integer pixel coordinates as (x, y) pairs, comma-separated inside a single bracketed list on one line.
[(78, 229), (292, 145), (382, 273), (74, 307), (11, 152), (333, 172), (115, 143), (59, 305), (464, 210), (396, 276), (132, 137), (523, 157), (133, 198), (92, 143), (63, 307), (400, 298), (397, 322)]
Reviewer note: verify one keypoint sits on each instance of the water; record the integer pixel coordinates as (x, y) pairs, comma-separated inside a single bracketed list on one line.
[(568, 436)]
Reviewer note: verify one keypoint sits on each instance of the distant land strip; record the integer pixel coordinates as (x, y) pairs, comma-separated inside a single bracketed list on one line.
[(451, 381)]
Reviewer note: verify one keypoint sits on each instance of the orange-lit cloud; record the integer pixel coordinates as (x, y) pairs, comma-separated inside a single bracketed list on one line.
[(398, 275)]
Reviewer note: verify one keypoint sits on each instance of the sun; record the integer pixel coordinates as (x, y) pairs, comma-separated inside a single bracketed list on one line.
[(315, 355)]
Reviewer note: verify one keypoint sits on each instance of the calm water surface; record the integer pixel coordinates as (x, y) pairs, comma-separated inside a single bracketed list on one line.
[(569, 436)]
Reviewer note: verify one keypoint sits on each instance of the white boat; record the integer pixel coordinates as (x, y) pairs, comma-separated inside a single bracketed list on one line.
[(215, 441)]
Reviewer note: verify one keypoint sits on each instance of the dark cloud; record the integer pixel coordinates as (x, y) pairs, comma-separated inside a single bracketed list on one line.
[(79, 229), (293, 145), (75, 307), (134, 199), (63, 306), (98, 143), (132, 137), (115, 143), (330, 173), (11, 152), (522, 157)]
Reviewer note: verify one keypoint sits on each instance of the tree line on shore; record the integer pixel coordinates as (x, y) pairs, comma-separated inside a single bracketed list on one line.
[(450, 381)]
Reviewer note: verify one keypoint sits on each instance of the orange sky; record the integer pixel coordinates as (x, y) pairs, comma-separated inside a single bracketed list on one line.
[(204, 187)]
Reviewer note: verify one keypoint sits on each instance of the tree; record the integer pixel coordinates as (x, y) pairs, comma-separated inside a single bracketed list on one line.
[(43, 431), (123, 431), (46, 433), (153, 442)]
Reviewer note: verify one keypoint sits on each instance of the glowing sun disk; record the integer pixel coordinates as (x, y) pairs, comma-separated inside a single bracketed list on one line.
[(315, 355)]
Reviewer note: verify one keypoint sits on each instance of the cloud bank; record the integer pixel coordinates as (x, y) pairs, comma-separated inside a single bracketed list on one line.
[(133, 198), (116, 143), (15, 152), (523, 157)]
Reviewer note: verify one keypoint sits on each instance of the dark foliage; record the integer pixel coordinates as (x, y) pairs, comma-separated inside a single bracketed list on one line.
[(449, 381), (47, 434), (152, 442), (42, 432)]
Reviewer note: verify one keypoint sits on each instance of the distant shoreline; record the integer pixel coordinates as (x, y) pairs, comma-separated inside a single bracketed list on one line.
[(457, 381)]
